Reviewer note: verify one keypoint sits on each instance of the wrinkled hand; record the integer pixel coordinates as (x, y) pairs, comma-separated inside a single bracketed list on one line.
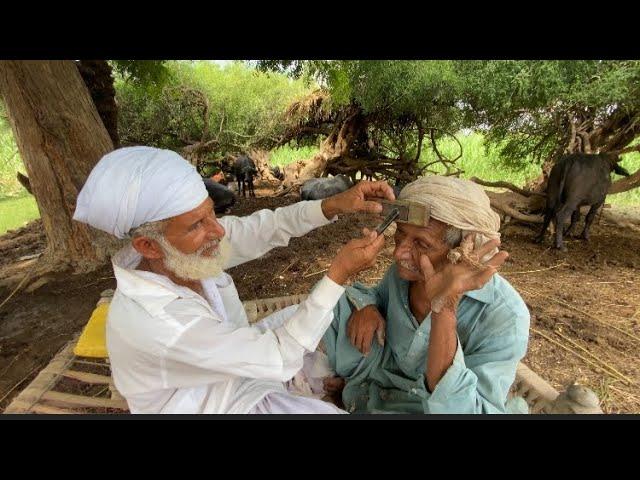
[(444, 287), (362, 326), (359, 198), (357, 255)]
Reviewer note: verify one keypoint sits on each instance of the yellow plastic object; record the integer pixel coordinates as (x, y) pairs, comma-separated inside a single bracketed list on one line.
[(92, 342)]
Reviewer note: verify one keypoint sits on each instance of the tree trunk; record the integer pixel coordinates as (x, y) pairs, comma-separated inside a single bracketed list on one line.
[(334, 148), (261, 159), (60, 137), (97, 76)]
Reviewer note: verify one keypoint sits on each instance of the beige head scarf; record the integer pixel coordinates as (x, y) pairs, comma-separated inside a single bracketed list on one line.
[(456, 202)]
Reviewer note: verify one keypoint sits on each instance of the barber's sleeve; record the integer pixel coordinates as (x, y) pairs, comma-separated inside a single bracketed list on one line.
[(479, 381), (254, 235), (206, 349)]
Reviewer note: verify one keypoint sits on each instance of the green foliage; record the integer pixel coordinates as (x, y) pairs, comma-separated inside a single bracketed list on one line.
[(17, 212), (525, 106), (285, 155), (149, 73), (10, 161), (398, 98), (518, 109), (243, 106)]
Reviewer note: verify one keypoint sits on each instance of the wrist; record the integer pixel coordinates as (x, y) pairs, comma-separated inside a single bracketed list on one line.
[(448, 307), (337, 274), (329, 208)]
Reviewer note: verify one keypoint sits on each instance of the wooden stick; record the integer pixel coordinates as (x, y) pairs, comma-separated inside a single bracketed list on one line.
[(48, 409), (316, 273), (287, 268), (87, 377), (87, 362), (588, 315), (71, 400), (18, 384), (101, 392), (15, 290), (507, 185), (47, 377), (10, 363), (621, 375), (573, 351), (597, 319), (627, 394), (307, 269), (540, 270)]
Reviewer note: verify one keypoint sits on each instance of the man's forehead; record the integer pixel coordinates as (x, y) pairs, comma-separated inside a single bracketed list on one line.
[(204, 207)]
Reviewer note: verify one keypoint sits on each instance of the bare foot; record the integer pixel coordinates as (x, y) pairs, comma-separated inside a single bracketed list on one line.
[(333, 386)]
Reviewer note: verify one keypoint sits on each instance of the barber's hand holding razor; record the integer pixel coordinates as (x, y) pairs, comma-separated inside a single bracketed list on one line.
[(359, 198), (360, 253), (357, 255)]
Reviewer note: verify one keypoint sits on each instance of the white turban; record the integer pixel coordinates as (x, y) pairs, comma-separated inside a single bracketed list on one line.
[(456, 202), (135, 185)]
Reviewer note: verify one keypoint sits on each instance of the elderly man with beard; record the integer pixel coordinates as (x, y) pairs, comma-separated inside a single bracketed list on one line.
[(178, 337), (442, 332)]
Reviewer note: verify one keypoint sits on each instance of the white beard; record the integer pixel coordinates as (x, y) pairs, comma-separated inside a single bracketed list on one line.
[(195, 266)]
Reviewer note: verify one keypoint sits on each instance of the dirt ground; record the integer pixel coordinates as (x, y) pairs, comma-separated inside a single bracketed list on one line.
[(585, 304)]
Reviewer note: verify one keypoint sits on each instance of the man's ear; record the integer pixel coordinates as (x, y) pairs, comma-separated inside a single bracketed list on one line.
[(147, 247)]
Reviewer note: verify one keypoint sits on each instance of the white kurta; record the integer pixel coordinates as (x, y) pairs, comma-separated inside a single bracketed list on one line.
[(173, 351)]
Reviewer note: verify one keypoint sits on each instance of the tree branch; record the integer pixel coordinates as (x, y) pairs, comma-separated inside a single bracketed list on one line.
[(499, 204), (510, 186), (420, 138), (625, 184)]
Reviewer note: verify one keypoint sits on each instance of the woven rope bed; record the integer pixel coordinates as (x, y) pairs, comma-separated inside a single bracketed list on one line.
[(70, 384)]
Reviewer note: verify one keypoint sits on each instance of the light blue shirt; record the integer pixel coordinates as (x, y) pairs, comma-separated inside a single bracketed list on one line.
[(492, 329)]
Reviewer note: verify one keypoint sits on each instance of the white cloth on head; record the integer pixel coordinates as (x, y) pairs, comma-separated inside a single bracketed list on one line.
[(456, 202), (135, 185)]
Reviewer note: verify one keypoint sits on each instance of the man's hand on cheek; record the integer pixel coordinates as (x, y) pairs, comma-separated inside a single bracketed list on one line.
[(445, 286)]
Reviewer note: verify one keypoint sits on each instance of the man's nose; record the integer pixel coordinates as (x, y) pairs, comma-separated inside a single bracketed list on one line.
[(216, 230), (403, 249)]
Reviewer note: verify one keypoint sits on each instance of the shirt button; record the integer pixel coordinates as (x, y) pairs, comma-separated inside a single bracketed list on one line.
[(420, 334), (414, 391)]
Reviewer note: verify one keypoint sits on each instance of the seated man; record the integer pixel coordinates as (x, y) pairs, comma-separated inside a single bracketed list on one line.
[(454, 332), (178, 337)]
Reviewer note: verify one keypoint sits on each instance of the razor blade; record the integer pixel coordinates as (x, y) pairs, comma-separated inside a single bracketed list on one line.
[(393, 214)]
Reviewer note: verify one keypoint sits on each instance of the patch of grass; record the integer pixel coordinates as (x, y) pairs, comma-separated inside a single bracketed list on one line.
[(476, 162), (17, 212), (285, 155), (10, 163), (630, 161)]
